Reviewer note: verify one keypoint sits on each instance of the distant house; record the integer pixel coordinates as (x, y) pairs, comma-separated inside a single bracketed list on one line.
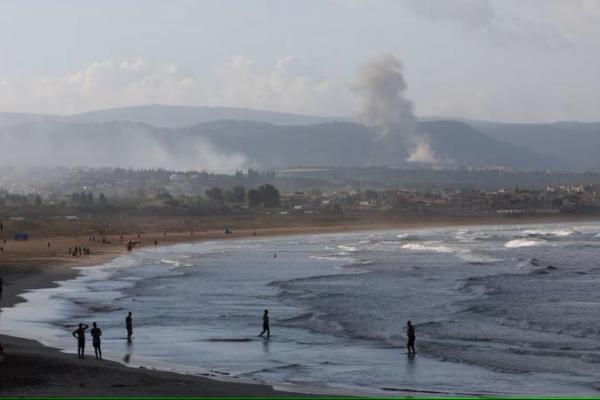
[(21, 236)]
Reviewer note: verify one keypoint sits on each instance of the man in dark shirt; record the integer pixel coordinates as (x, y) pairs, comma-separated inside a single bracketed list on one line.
[(410, 333), (79, 333), (266, 328)]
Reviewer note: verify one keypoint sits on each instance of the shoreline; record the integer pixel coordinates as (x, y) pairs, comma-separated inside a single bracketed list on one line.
[(38, 273)]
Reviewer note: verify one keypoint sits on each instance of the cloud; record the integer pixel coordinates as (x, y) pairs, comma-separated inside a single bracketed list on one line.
[(545, 23), (286, 85)]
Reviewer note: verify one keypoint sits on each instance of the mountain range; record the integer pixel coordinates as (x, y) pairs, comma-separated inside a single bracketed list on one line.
[(185, 137)]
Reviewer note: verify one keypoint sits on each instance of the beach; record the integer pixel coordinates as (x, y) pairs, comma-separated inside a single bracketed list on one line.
[(32, 369)]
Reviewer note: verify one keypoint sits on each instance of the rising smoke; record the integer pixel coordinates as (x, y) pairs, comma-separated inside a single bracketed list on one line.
[(380, 87), (118, 144)]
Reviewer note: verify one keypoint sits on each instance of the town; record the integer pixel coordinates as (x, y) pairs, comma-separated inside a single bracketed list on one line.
[(118, 191)]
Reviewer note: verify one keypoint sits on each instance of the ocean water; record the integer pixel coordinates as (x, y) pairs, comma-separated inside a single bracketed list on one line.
[(497, 309)]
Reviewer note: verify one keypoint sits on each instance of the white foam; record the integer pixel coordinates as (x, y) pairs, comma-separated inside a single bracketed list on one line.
[(348, 248), (558, 232), (428, 246), (516, 243)]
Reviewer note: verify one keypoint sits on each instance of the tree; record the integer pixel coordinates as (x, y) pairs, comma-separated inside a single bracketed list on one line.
[(90, 198), (102, 199), (269, 195), (238, 194), (215, 194), (253, 198), (38, 201)]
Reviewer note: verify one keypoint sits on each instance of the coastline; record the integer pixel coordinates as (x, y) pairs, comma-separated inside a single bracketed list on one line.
[(32, 369)]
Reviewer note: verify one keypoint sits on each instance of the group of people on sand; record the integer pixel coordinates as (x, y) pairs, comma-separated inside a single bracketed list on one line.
[(96, 332), (78, 251), (131, 244)]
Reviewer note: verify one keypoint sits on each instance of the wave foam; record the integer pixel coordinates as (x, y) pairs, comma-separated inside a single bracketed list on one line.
[(516, 243), (557, 233)]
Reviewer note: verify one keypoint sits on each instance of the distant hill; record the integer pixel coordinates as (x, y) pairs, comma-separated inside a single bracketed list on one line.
[(349, 144), (175, 136), (225, 145), (11, 119), (164, 116), (576, 143)]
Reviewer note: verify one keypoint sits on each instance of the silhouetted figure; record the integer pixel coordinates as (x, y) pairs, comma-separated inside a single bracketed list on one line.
[(96, 333), (48, 244), (129, 326), (79, 333), (156, 242), (410, 333), (266, 328), (274, 255)]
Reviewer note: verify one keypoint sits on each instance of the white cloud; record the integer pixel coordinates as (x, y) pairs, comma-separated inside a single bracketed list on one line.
[(286, 85)]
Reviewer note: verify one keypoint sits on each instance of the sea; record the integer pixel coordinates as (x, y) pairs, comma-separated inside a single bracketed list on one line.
[(498, 310)]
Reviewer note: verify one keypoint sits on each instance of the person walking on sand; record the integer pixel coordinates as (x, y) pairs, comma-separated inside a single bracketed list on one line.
[(79, 333), (410, 333), (96, 333), (266, 328), (129, 326)]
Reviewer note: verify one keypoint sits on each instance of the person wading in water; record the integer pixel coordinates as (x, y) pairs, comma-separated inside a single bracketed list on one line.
[(266, 328), (129, 326), (410, 333)]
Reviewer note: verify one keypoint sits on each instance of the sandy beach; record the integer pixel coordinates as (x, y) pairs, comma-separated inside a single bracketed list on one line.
[(30, 369)]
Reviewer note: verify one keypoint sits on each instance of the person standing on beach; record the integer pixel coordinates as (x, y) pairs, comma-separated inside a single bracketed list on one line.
[(266, 327), (96, 333), (129, 326), (79, 333), (410, 333)]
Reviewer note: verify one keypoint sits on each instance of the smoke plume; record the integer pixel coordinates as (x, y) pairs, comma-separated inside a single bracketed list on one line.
[(380, 87)]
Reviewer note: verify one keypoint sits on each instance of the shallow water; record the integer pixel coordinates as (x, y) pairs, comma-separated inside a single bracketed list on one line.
[(497, 309)]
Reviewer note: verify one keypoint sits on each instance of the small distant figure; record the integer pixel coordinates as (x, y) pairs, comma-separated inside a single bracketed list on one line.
[(410, 333), (156, 242), (96, 333), (253, 233), (129, 326), (227, 231), (266, 328), (48, 244), (79, 334), (1, 283), (274, 255)]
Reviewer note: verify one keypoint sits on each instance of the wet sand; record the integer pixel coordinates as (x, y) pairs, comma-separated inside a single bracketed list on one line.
[(30, 369)]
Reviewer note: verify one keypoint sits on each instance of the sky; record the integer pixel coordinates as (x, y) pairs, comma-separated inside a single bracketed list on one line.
[(501, 60)]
